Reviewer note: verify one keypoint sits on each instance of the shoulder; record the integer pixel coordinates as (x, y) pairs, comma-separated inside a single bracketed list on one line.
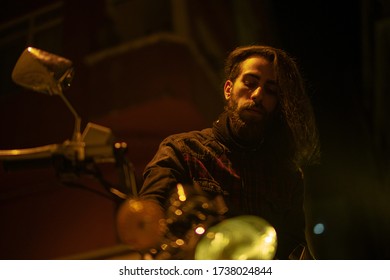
[(195, 135), (197, 142)]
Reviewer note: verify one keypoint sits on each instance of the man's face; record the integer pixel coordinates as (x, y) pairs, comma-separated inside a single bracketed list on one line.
[(252, 97)]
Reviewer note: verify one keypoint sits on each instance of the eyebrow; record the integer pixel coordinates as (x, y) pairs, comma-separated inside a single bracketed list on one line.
[(258, 77)]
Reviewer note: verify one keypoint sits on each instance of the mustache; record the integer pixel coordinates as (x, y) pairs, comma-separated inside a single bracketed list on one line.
[(252, 105)]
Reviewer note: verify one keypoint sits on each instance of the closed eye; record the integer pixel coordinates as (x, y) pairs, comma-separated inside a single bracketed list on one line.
[(271, 89), (251, 82)]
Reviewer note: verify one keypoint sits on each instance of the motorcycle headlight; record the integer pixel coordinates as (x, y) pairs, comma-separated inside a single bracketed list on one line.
[(239, 238)]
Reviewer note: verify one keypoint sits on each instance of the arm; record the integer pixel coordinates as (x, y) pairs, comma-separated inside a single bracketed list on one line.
[(164, 171), (139, 219), (298, 217)]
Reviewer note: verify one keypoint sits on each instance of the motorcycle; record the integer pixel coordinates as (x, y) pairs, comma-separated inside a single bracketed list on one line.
[(193, 226)]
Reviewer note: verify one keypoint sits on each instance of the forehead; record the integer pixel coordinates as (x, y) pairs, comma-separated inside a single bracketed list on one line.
[(258, 64)]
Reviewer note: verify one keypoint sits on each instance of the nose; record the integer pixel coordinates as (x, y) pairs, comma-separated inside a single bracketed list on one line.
[(257, 94)]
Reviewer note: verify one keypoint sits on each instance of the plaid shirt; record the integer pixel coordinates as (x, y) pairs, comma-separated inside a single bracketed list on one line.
[(253, 181)]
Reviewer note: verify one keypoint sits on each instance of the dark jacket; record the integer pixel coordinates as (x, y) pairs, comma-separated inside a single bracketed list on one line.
[(257, 180)]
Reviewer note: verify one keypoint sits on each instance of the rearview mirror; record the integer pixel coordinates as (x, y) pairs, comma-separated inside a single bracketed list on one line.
[(43, 72), (47, 73)]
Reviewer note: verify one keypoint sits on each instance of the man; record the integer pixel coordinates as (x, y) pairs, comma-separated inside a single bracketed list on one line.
[(254, 154)]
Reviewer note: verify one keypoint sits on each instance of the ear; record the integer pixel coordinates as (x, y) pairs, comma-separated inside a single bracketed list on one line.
[(227, 89)]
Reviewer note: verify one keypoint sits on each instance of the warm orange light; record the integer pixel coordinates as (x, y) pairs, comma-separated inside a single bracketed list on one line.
[(181, 192)]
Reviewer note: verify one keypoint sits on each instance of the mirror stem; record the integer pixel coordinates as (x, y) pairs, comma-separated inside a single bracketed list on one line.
[(77, 126)]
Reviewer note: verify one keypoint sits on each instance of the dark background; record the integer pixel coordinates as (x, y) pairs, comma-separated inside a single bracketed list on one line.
[(147, 69)]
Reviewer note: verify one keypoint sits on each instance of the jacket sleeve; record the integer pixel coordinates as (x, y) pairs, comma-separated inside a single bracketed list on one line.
[(164, 172), (292, 234), (299, 227)]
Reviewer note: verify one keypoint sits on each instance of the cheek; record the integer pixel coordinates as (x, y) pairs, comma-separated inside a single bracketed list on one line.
[(242, 102), (270, 103), (240, 97)]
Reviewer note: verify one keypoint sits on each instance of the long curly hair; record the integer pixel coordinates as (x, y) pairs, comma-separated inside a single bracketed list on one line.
[(295, 105)]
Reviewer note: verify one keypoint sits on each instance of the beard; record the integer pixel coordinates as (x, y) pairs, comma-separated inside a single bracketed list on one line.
[(246, 129)]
